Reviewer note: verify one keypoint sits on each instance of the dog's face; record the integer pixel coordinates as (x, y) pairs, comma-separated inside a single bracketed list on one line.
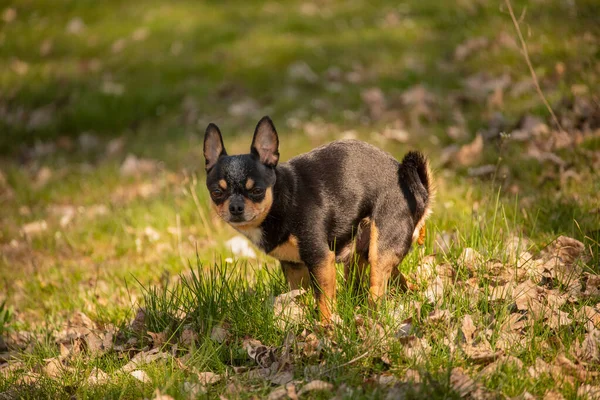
[(241, 186)]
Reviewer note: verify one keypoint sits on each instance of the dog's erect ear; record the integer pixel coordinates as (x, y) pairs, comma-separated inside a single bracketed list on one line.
[(265, 144), (213, 146)]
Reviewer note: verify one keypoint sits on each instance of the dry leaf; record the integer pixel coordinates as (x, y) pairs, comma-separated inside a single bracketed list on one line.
[(287, 309), (264, 356), (315, 385), (54, 368), (34, 228), (468, 328), (144, 357), (375, 101), (219, 333), (208, 378), (589, 349), (588, 392), (97, 377), (188, 337), (158, 339), (139, 322), (140, 376), (552, 395), (469, 154)]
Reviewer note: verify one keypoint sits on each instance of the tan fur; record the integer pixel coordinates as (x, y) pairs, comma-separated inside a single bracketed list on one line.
[(249, 183), (223, 184), (287, 251), (419, 232), (324, 275), (382, 263), (298, 277)]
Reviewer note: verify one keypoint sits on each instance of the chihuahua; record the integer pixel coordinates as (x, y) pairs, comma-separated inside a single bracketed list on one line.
[(346, 202)]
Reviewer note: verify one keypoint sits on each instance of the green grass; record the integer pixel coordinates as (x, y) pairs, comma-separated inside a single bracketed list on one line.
[(150, 240)]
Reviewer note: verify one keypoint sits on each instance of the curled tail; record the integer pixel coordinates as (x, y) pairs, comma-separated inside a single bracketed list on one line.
[(415, 176)]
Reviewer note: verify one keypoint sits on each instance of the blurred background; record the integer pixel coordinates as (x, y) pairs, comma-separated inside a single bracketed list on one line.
[(103, 107)]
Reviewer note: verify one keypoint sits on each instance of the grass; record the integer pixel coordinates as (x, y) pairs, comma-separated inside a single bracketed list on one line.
[(153, 74)]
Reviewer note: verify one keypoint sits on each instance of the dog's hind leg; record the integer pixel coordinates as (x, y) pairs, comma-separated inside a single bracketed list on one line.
[(296, 274)]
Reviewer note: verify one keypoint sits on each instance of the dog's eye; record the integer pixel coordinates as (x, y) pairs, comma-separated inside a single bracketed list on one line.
[(257, 191), (217, 193)]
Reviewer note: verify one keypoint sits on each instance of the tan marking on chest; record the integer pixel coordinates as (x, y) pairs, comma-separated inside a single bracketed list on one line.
[(287, 251)]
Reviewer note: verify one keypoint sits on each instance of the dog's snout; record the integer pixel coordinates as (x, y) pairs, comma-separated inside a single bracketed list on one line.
[(236, 208)]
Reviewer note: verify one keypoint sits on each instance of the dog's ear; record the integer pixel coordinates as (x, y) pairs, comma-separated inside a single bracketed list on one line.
[(265, 144), (213, 146)]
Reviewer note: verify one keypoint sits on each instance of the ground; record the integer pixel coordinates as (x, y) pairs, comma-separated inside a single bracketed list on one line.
[(116, 281)]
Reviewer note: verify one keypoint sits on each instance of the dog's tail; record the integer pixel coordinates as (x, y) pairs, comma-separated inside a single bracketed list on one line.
[(416, 177)]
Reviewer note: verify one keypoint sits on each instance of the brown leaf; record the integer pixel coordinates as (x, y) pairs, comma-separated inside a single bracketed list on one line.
[(208, 378), (34, 228), (144, 357), (278, 394), (97, 377), (468, 328), (220, 333), (469, 154), (552, 395), (158, 339), (139, 322), (481, 353), (54, 368), (501, 361), (470, 46), (188, 337), (588, 392), (375, 101), (465, 386), (141, 376), (526, 296), (264, 356), (288, 310), (314, 386)]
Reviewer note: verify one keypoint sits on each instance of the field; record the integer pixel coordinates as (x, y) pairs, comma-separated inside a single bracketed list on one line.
[(116, 281)]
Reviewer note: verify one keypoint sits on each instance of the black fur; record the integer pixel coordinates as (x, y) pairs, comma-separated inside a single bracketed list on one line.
[(321, 197)]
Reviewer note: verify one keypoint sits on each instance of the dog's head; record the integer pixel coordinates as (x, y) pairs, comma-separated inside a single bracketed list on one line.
[(241, 186)]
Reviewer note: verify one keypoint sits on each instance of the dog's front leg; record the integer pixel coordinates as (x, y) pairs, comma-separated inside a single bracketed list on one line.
[(323, 280)]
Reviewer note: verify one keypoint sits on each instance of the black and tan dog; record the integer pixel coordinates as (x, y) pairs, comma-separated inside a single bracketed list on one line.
[(346, 201)]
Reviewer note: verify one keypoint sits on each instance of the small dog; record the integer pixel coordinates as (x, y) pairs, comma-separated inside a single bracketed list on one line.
[(346, 201)]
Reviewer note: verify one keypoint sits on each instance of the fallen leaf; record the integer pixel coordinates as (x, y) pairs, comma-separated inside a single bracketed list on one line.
[(9, 15), (287, 309), (470, 46), (208, 378), (588, 392), (315, 385), (375, 102), (188, 337), (470, 153), (34, 228), (264, 356), (158, 339), (134, 166), (75, 26), (142, 358), (220, 333), (278, 394), (140, 376), (139, 322), (97, 377), (54, 368), (552, 395)]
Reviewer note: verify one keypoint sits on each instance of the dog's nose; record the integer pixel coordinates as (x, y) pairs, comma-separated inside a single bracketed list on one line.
[(236, 209)]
